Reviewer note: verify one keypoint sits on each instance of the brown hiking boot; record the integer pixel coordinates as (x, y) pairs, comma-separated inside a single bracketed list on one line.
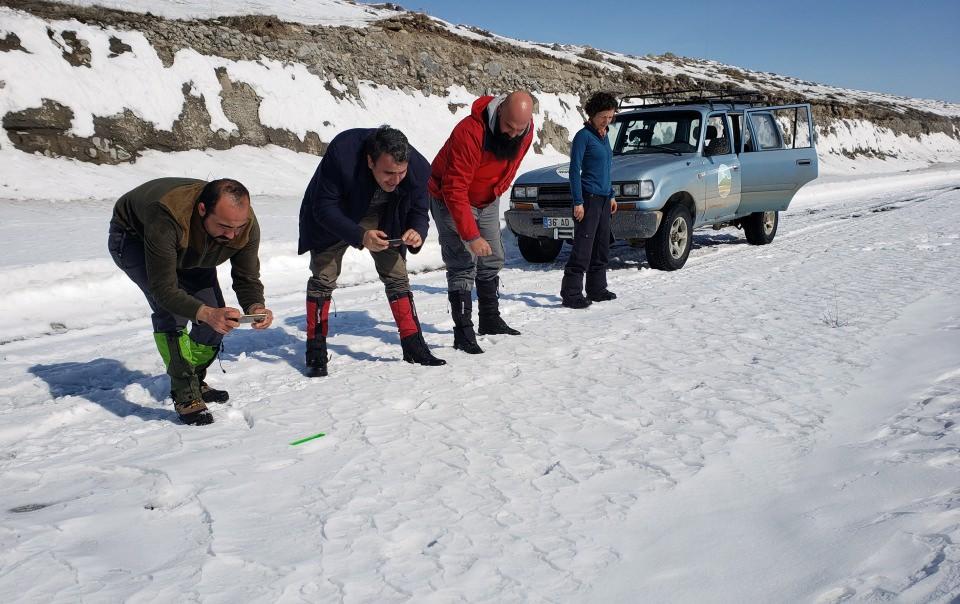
[(194, 413)]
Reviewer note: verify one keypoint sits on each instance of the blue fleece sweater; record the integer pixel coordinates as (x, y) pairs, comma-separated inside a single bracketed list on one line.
[(590, 161)]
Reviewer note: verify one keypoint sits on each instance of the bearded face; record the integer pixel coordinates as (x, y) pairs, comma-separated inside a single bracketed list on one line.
[(502, 145)]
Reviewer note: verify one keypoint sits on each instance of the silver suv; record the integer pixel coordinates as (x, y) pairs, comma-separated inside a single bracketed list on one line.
[(681, 160)]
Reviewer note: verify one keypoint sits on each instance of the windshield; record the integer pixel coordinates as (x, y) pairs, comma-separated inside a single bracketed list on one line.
[(657, 132)]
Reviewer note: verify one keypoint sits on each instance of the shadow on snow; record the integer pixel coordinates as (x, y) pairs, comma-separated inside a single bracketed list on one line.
[(102, 381)]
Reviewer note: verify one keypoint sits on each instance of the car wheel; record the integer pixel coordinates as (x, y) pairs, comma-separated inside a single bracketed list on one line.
[(761, 227), (668, 249), (539, 250)]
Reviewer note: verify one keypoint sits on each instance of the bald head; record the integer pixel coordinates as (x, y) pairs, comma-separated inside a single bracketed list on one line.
[(516, 111)]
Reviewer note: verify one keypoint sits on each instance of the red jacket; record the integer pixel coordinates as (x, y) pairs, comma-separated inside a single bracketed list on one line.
[(464, 174)]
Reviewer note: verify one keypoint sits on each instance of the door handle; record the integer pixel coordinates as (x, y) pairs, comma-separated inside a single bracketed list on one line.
[(735, 168), (803, 162)]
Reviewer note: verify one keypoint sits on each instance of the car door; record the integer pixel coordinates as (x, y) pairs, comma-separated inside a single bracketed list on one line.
[(721, 170), (778, 157)]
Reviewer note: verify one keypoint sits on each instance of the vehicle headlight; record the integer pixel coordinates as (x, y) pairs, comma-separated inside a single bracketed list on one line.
[(646, 189), (643, 189), (525, 192)]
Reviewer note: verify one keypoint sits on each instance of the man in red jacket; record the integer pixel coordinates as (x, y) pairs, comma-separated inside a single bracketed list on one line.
[(475, 166)]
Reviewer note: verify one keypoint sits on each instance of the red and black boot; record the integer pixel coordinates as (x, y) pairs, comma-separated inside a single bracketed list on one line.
[(318, 313), (415, 349)]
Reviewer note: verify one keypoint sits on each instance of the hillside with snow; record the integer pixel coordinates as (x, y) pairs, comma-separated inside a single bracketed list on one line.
[(106, 87), (768, 424)]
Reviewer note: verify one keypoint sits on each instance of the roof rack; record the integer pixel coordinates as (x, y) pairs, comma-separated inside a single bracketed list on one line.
[(697, 96)]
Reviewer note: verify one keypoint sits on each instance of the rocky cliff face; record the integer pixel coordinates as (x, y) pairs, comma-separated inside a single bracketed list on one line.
[(411, 53)]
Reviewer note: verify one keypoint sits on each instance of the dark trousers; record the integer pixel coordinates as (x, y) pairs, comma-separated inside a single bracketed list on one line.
[(201, 283), (591, 249), (186, 357)]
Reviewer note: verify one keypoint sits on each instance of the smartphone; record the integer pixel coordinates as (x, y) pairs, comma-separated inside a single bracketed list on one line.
[(254, 318), (394, 242)]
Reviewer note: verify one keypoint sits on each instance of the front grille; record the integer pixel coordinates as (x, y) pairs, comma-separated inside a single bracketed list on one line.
[(554, 196)]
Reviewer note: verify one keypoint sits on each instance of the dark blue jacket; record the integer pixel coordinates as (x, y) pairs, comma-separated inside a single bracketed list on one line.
[(590, 161), (340, 191)]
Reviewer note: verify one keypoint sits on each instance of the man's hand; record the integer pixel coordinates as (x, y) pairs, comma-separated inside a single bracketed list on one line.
[(258, 309), (613, 205), (375, 241), (222, 320), (578, 212), (480, 247), (412, 238)]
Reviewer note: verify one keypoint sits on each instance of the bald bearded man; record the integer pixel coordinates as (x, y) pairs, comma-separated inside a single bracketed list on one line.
[(475, 166)]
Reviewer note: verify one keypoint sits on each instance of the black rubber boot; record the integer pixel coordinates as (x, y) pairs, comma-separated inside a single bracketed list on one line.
[(317, 357), (488, 304), (578, 302), (461, 308), (602, 296)]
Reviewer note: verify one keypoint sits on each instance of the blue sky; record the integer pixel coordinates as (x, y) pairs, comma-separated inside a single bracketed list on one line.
[(903, 48)]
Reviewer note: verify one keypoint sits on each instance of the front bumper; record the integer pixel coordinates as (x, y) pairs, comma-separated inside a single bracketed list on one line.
[(625, 224)]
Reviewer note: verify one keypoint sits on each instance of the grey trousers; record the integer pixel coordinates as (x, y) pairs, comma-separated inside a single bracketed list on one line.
[(463, 267), (325, 267)]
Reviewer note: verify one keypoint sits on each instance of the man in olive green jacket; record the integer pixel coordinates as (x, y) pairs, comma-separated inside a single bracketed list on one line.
[(169, 235)]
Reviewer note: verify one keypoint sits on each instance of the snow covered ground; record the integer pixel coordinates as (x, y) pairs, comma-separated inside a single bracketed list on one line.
[(770, 423)]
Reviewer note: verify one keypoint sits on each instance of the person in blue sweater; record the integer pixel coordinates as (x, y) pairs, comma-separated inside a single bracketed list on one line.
[(593, 203)]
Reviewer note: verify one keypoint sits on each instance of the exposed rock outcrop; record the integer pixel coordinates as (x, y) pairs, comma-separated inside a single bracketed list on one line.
[(408, 52)]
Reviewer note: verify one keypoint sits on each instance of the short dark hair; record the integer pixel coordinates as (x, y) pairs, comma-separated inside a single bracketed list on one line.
[(600, 101), (387, 140), (215, 189)]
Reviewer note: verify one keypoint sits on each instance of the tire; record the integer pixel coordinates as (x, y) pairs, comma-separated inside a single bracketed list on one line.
[(761, 227), (669, 247), (539, 250)]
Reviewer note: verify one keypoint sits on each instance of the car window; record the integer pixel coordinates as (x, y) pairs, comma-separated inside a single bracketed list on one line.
[(656, 132), (717, 140), (613, 130), (782, 128), (767, 133)]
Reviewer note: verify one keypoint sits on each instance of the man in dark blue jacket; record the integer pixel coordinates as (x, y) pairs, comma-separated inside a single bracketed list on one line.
[(370, 191)]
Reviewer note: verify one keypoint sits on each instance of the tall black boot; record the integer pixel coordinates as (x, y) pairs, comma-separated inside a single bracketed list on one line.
[(461, 308), (489, 309), (318, 311), (415, 349), (317, 357)]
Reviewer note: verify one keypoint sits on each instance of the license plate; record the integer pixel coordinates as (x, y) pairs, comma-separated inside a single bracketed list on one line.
[(555, 222)]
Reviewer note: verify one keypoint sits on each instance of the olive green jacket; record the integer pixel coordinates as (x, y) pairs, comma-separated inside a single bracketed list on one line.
[(163, 214)]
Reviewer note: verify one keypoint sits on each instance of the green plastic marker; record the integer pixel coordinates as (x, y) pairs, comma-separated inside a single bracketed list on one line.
[(303, 440)]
